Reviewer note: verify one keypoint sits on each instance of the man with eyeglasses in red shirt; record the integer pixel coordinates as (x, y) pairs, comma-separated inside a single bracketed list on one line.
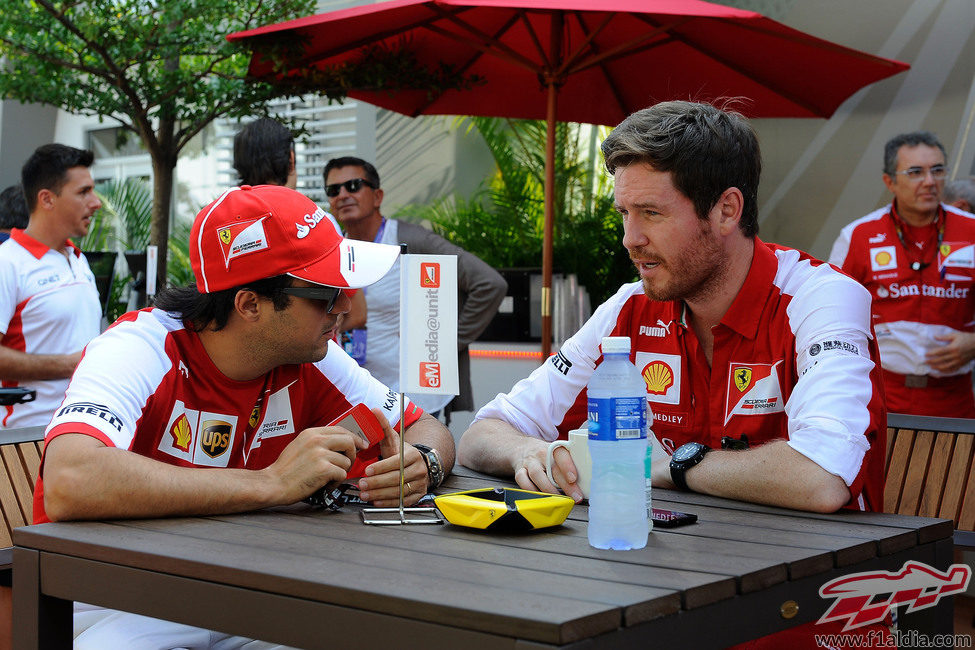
[(916, 256)]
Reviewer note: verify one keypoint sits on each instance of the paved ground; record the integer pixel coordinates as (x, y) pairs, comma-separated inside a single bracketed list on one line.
[(491, 375)]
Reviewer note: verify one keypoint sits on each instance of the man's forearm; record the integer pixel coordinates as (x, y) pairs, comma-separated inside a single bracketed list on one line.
[(21, 366), (495, 447), (84, 479), (773, 474)]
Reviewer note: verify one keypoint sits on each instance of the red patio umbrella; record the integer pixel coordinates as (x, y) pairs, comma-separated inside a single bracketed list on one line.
[(590, 61)]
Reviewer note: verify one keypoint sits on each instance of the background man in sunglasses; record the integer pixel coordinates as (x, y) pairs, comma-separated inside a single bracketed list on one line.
[(355, 197), (916, 256), (237, 372)]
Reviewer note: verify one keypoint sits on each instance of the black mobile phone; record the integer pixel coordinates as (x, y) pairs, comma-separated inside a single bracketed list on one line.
[(16, 395), (672, 518)]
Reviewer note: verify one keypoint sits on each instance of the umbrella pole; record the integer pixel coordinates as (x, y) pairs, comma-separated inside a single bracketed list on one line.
[(549, 225), (552, 84)]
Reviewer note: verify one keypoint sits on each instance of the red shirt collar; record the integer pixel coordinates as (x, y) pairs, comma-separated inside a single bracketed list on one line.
[(754, 292), (36, 248)]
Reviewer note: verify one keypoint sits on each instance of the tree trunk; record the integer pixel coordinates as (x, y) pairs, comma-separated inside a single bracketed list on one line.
[(163, 172)]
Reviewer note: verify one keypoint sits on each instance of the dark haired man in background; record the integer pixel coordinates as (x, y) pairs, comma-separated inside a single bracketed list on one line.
[(49, 304), (13, 211), (264, 154)]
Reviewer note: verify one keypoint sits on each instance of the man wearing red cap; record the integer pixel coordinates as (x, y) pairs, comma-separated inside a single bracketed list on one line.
[(236, 372)]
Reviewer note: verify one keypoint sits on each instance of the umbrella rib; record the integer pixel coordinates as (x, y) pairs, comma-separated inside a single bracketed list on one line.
[(633, 46), (592, 47), (586, 45), (488, 44), (815, 110), (374, 38)]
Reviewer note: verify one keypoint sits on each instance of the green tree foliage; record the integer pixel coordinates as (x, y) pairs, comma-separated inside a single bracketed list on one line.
[(161, 69), (503, 223)]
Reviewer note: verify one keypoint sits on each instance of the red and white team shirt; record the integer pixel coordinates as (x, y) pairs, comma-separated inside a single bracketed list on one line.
[(793, 359), (48, 305), (147, 385), (911, 307)]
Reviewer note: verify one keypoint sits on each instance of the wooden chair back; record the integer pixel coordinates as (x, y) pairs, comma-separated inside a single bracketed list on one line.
[(20, 455), (929, 468)]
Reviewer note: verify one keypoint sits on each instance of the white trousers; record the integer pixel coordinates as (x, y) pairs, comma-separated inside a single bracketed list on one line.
[(97, 628)]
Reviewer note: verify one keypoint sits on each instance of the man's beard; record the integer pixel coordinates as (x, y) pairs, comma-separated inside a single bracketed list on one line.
[(695, 271)]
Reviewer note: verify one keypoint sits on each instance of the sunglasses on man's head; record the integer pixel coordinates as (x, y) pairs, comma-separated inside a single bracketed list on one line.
[(327, 294), (351, 186)]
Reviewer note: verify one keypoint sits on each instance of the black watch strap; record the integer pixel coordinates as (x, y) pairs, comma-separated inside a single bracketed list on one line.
[(435, 471)]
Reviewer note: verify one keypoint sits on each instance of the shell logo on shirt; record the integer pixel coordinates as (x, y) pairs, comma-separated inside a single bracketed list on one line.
[(753, 389), (181, 433), (659, 377), (662, 374), (883, 258)]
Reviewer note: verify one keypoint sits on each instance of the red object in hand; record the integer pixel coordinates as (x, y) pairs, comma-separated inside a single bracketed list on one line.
[(364, 423)]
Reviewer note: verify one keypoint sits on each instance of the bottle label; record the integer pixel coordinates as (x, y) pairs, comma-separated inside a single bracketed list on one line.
[(617, 418)]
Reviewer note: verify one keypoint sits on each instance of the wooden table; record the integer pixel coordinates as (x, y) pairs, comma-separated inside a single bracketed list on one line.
[(311, 578)]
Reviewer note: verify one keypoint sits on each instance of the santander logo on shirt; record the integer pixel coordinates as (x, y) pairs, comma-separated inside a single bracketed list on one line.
[(896, 290)]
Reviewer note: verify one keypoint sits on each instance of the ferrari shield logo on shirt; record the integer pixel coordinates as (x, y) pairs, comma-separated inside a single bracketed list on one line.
[(242, 238), (959, 255), (662, 374), (743, 378), (753, 389), (883, 258)]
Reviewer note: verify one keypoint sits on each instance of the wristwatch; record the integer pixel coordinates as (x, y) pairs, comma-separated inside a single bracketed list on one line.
[(435, 473), (684, 458)]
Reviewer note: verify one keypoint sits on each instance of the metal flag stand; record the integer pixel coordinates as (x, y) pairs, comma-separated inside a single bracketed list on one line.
[(429, 515), (380, 516)]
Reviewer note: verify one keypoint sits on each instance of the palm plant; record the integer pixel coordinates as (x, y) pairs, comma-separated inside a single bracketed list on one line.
[(503, 221), (123, 224)]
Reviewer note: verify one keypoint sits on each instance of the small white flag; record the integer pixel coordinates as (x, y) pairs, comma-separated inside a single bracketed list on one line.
[(428, 324)]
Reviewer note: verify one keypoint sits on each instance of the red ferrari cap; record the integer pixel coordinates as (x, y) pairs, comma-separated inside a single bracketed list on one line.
[(251, 233)]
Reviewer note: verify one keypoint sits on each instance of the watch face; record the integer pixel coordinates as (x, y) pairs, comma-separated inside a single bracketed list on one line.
[(686, 452)]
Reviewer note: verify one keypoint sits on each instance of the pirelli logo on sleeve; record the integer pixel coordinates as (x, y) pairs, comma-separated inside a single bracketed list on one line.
[(561, 363), (96, 415)]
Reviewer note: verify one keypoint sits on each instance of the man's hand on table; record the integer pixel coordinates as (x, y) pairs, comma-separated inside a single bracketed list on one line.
[(529, 470)]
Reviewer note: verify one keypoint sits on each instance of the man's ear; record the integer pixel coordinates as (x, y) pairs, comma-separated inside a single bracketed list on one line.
[(247, 305), (46, 198), (730, 205)]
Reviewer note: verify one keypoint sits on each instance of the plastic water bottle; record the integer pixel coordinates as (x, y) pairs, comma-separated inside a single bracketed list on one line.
[(617, 398)]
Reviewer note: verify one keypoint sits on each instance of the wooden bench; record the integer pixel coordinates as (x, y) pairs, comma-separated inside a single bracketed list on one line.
[(20, 454), (929, 470)]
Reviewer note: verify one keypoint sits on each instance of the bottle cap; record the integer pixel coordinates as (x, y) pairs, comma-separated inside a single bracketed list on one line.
[(616, 344)]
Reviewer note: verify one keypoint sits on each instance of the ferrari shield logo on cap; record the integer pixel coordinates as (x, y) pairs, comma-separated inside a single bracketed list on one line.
[(225, 235)]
